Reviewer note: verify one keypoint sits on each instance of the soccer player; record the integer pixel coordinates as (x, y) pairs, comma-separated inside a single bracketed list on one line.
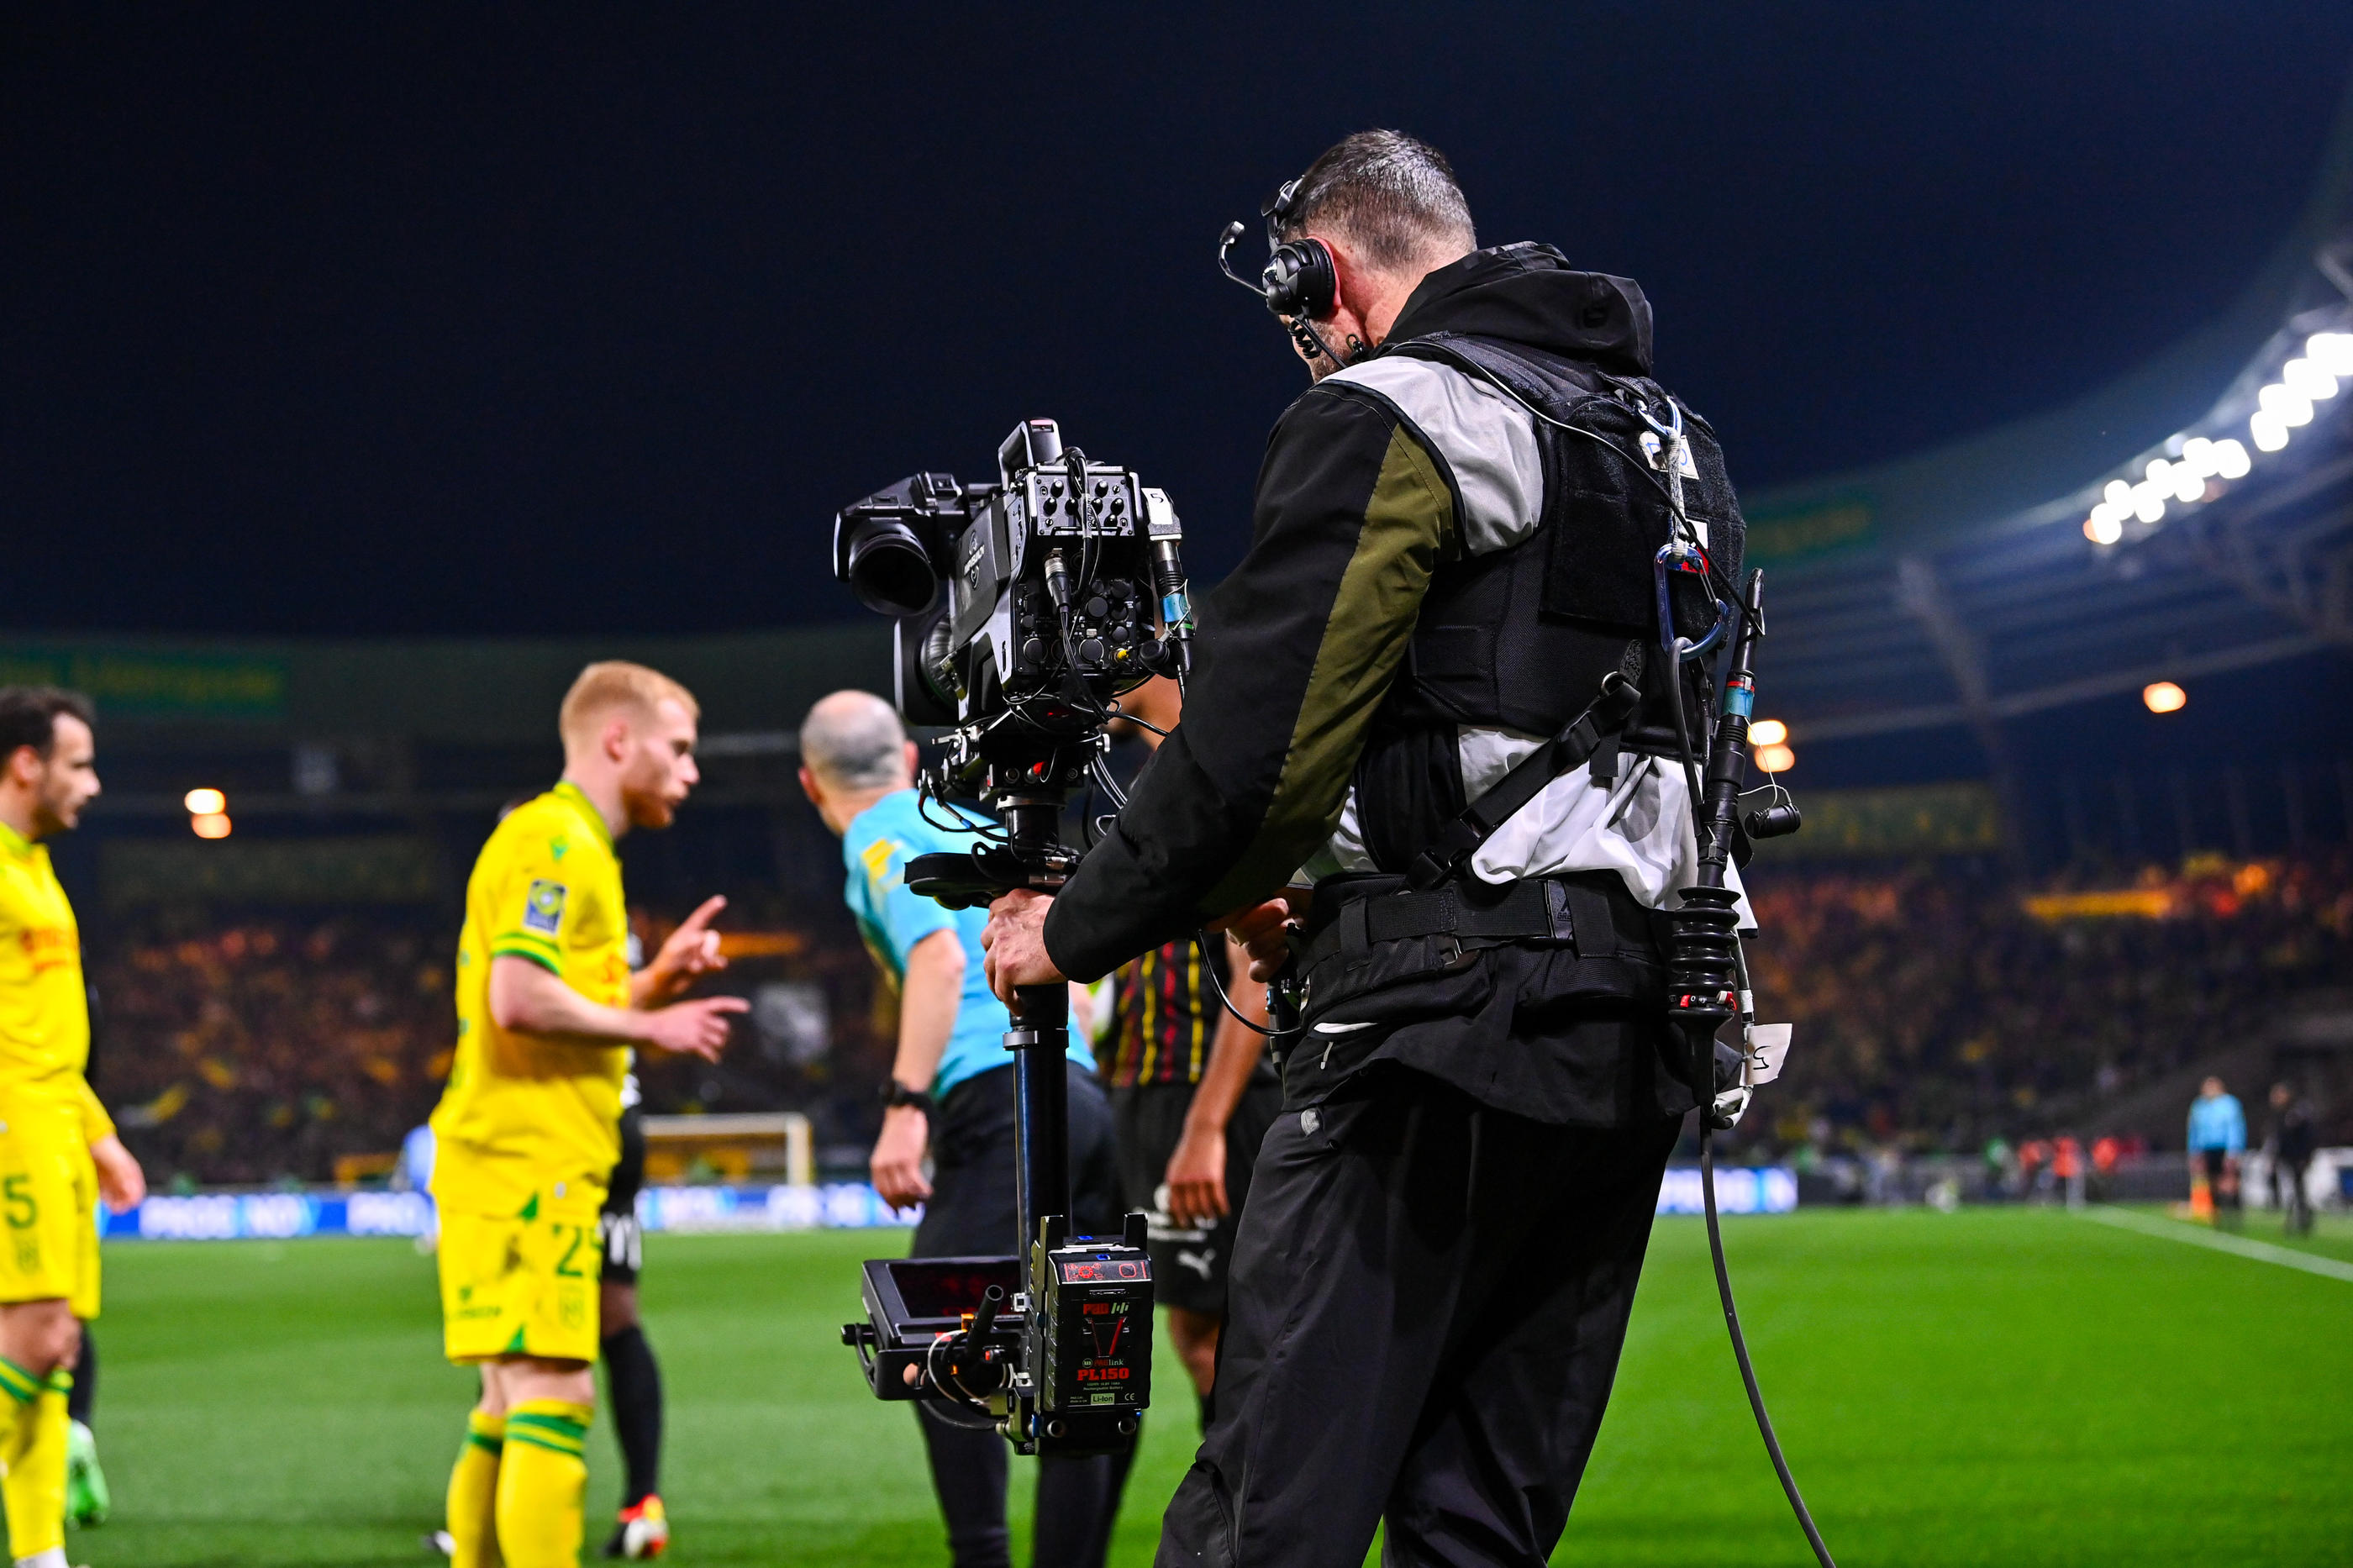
[(58, 1152), (528, 1129), (632, 1377), (1191, 1097)]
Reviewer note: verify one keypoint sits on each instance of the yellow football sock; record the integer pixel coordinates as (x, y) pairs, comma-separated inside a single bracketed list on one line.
[(543, 1478), (33, 1449), (474, 1493)]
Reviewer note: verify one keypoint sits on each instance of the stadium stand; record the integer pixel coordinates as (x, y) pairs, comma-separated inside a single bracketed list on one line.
[(1938, 1009)]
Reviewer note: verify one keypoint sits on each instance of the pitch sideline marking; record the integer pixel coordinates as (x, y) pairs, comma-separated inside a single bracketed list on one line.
[(2262, 1252)]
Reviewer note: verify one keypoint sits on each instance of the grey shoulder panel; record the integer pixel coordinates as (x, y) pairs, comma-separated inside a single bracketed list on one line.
[(1485, 438)]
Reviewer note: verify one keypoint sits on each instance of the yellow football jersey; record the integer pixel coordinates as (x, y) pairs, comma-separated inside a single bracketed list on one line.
[(44, 1011), (529, 1117)]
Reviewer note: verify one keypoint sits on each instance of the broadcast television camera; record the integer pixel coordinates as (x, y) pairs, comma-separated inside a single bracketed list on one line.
[(1064, 586), (1055, 575)]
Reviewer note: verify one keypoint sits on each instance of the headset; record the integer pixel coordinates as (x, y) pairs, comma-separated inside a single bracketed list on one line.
[(1300, 283)]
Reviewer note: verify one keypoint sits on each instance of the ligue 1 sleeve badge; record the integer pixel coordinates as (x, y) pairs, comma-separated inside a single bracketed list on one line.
[(543, 907)]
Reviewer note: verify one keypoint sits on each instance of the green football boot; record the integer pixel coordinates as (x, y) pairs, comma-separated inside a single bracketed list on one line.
[(87, 1501)]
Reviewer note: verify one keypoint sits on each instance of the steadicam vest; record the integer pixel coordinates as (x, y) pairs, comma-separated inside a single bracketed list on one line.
[(1519, 636)]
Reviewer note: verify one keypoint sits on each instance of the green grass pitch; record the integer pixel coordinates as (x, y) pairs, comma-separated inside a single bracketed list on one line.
[(1993, 1387)]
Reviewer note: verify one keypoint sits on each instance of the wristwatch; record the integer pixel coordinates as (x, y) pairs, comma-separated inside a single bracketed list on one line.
[(895, 1094)]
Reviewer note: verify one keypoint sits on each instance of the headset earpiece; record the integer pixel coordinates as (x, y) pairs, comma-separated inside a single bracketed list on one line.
[(1300, 281)]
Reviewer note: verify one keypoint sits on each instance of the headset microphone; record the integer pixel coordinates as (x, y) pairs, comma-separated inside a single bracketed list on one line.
[(1299, 283)]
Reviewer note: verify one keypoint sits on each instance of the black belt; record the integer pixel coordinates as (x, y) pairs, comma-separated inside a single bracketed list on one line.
[(1351, 913)]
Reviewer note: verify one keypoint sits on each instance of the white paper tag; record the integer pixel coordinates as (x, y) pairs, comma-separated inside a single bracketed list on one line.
[(1769, 1045), (1652, 448)]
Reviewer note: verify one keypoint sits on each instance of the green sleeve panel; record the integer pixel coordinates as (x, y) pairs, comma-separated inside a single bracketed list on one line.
[(1298, 648), (1408, 529)]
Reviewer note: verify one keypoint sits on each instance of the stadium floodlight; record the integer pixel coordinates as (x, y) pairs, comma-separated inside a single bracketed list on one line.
[(2160, 474), (2188, 485), (2163, 696), (205, 802), (1775, 759), (2197, 456), (2332, 352), (2231, 459), (210, 825), (2119, 494), (1768, 733), (2149, 501), (2291, 407), (2308, 380), (2268, 430), (2105, 526)]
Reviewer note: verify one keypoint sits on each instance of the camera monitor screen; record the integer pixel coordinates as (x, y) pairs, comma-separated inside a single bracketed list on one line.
[(948, 1288)]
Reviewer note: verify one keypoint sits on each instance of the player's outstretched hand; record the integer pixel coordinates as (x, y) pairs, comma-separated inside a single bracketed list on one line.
[(693, 950), (121, 1181), (1265, 930), (696, 1028), (1197, 1177)]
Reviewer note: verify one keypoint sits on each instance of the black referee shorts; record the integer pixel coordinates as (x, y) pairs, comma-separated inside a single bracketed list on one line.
[(1188, 1263), (616, 1223), (972, 1211)]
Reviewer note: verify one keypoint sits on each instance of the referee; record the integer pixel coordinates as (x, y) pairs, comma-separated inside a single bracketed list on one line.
[(951, 1096)]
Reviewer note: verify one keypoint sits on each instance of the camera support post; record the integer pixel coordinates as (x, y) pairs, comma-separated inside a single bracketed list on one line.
[(1082, 1374), (1039, 1038)]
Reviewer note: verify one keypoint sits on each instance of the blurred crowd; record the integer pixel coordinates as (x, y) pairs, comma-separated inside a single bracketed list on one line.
[(265, 1049), (290, 1049), (1937, 1011)]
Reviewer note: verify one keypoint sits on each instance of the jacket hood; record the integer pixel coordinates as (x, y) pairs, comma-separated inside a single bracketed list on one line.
[(1527, 293)]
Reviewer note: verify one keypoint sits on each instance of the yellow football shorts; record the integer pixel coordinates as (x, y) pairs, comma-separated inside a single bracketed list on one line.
[(48, 1208), (519, 1284)]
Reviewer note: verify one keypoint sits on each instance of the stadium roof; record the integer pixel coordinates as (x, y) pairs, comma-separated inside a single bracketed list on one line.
[(1963, 586)]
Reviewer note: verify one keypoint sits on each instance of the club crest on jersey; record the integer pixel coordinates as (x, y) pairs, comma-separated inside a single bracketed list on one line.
[(543, 907)]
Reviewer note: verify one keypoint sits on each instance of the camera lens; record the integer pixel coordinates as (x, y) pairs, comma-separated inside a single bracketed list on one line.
[(889, 571)]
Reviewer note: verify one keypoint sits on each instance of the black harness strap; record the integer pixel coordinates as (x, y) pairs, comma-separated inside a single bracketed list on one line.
[(1463, 836)]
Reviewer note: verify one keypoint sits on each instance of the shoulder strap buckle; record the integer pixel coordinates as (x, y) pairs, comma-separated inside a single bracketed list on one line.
[(1461, 837)]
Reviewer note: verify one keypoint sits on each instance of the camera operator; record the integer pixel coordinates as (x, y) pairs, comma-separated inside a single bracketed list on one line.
[(1446, 1225), (952, 1087)]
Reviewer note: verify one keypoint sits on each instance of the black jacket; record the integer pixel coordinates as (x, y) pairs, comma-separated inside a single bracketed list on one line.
[(1301, 645)]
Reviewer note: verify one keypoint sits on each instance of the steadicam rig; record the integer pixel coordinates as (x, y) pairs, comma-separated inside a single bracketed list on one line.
[(1022, 610)]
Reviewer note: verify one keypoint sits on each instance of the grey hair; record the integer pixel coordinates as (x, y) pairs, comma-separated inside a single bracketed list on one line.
[(853, 738), (1393, 194)]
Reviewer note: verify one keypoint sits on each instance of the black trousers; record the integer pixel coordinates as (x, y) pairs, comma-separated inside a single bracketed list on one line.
[(1427, 1301), (972, 1214), (1188, 1265)]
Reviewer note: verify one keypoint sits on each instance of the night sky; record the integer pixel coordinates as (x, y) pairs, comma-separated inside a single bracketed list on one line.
[(485, 320)]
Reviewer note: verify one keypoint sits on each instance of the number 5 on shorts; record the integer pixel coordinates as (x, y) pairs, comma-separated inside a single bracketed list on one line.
[(18, 1203)]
